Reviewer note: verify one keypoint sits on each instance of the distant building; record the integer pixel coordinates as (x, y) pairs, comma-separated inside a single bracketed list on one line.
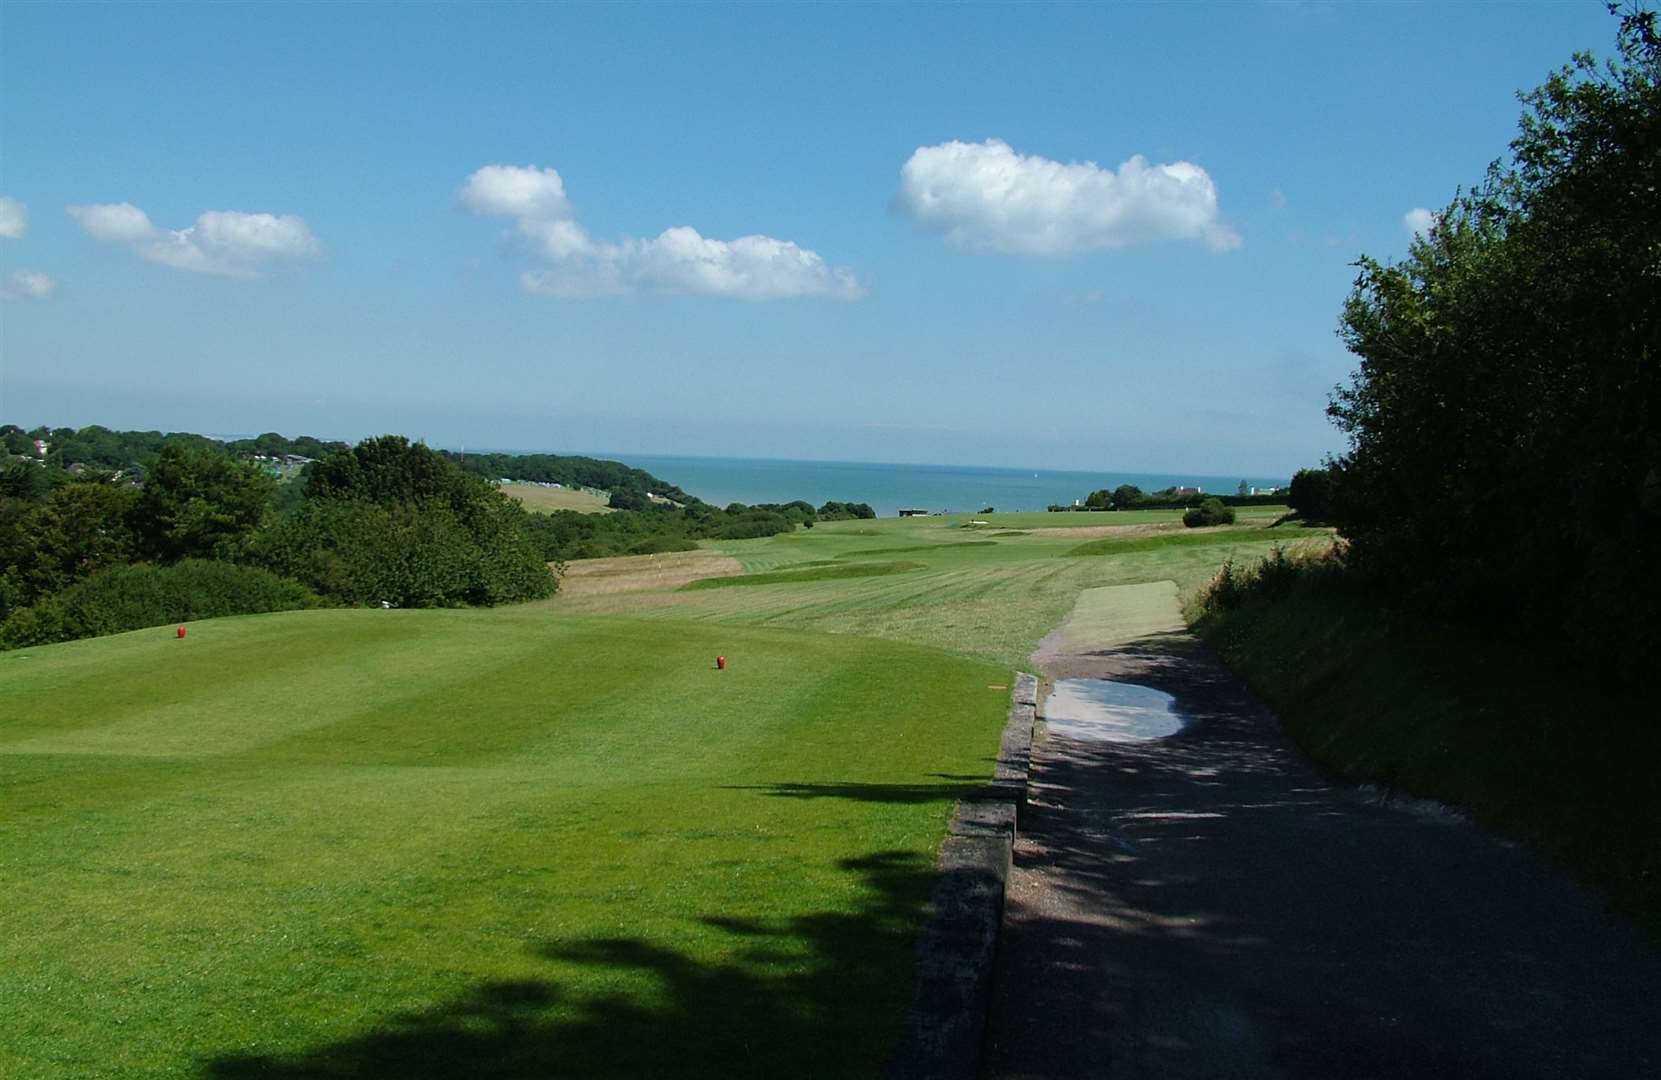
[(914, 513), (1187, 491)]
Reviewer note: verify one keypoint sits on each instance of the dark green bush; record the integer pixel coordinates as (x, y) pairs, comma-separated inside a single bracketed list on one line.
[(1209, 512), (133, 597), (407, 555), (658, 545)]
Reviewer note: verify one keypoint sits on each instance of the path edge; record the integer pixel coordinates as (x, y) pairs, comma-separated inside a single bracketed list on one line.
[(958, 940)]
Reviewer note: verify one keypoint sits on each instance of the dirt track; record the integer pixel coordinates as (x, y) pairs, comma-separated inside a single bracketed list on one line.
[(1208, 906)]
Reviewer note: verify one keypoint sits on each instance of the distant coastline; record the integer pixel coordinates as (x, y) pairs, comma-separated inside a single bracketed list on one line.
[(888, 487)]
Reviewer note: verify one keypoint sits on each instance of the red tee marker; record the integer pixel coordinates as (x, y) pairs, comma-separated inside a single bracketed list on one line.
[(181, 631), (720, 663)]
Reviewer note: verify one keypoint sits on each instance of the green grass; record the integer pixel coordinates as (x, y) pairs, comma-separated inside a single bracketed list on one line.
[(860, 552), (1165, 542), (993, 600), (543, 840), (817, 572), (535, 844)]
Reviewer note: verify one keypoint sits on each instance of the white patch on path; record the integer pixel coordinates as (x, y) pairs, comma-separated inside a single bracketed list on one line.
[(1097, 710)]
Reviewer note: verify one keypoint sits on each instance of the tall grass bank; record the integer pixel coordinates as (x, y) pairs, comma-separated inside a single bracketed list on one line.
[(1485, 717)]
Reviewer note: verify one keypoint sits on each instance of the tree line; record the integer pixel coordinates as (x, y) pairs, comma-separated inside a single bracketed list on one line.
[(1504, 464), (1131, 497), (110, 531), (205, 533), (658, 528)]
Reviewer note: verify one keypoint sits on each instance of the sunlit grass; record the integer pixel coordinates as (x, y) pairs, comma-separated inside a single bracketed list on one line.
[(284, 831)]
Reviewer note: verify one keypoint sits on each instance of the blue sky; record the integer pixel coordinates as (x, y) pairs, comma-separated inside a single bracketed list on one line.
[(340, 219)]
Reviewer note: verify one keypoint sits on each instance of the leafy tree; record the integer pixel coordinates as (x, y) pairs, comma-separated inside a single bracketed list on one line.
[(391, 521), (24, 480), (1512, 357), (83, 528), (1311, 493), (1098, 500), (197, 504), (388, 469), (1125, 496), (842, 511)]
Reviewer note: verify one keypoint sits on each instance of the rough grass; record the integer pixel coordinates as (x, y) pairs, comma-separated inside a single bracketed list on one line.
[(1191, 538), (817, 572), (626, 573), (1529, 746), (448, 843), (995, 601)]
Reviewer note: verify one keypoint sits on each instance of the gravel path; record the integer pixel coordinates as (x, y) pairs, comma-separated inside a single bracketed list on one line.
[(1207, 906)]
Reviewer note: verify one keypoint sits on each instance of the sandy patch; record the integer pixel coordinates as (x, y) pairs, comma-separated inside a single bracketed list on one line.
[(632, 573)]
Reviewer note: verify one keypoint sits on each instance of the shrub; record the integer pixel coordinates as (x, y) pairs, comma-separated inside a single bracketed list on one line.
[(1209, 512), (1276, 574), (1311, 493), (658, 545), (414, 555), (133, 597)]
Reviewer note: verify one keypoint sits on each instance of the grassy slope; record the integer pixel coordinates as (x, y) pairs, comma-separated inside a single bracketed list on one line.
[(1522, 742), (279, 832), (537, 497), (541, 839), (977, 594)]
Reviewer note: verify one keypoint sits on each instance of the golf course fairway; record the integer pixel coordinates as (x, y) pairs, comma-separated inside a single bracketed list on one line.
[(534, 845), (543, 840)]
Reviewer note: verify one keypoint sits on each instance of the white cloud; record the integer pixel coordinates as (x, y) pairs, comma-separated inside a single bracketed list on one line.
[(985, 195), (1418, 221), (27, 285), (114, 222), (14, 218), (677, 260), (227, 242), (516, 191)]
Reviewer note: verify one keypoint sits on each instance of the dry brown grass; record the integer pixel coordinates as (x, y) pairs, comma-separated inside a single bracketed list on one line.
[(537, 497), (634, 573)]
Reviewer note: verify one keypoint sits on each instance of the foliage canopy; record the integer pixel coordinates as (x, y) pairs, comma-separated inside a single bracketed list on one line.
[(1509, 362)]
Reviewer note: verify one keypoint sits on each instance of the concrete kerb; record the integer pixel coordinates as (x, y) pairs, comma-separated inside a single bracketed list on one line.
[(959, 937)]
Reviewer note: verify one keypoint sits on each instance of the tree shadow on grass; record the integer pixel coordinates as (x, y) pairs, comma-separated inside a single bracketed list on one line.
[(819, 994), (907, 794)]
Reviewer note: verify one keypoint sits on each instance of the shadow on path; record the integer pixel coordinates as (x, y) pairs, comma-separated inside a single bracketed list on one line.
[(1207, 905)]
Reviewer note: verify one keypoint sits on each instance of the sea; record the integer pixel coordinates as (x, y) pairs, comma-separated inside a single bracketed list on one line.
[(890, 487)]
